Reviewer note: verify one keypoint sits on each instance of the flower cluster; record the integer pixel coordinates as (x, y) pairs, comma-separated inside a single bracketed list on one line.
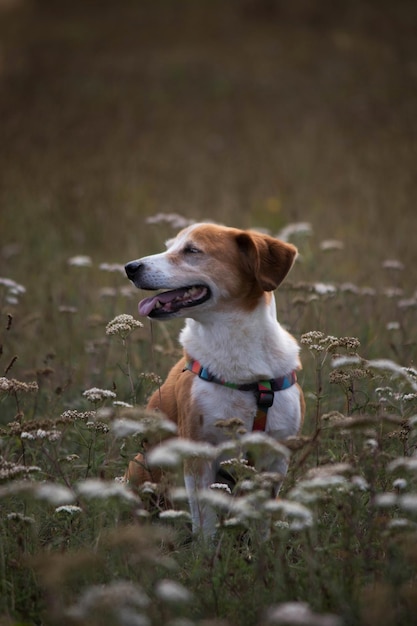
[(10, 470), (122, 325), (13, 290), (173, 219), (98, 395), (11, 385)]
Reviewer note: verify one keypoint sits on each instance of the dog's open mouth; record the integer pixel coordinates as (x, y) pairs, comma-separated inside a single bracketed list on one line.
[(169, 303)]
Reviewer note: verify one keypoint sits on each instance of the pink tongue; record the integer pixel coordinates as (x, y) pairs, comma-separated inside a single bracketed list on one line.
[(148, 304)]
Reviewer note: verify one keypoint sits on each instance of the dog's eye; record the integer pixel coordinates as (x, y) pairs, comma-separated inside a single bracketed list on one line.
[(190, 249)]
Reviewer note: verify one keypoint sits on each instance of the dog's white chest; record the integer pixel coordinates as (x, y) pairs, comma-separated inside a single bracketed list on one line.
[(216, 404)]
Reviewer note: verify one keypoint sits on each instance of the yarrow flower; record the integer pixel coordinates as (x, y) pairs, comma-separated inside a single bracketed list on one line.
[(70, 509), (9, 470), (172, 592), (331, 244), (122, 325), (173, 514), (393, 264), (299, 614), (112, 267), (97, 395), (221, 487), (11, 385), (95, 488), (80, 261), (174, 219), (120, 599), (49, 435), (324, 289), (19, 517), (13, 290), (295, 228)]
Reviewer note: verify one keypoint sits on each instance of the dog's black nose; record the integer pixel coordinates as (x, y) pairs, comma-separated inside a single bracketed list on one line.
[(132, 269)]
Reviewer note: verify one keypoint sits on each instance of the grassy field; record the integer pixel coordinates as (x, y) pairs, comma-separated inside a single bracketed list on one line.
[(118, 123)]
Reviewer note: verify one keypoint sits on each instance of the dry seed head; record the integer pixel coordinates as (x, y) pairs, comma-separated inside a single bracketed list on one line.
[(153, 378)]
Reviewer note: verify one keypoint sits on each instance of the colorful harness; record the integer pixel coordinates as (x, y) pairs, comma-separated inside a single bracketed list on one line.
[(264, 390)]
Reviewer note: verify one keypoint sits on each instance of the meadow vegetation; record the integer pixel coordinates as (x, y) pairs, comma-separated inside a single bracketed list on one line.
[(117, 132)]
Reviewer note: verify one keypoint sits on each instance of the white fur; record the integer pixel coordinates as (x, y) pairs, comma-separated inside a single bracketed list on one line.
[(240, 345)]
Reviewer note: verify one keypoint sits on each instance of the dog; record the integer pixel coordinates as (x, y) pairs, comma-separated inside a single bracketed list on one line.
[(238, 361)]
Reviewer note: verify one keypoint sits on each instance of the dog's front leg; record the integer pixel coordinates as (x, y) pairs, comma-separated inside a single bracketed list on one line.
[(200, 474)]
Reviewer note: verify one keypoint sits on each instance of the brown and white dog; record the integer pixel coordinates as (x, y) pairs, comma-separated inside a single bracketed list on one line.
[(221, 280)]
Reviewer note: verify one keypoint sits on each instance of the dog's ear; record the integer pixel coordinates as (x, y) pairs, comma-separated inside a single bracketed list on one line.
[(266, 259)]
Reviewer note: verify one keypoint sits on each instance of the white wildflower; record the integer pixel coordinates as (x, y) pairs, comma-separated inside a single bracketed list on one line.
[(247, 485), (399, 484), (367, 291), (112, 267), (173, 514), (331, 244), (116, 597), (122, 325), (400, 523), (385, 500), (122, 405), (53, 493), (392, 292), (80, 261), (221, 487), (19, 517), (311, 337), (407, 303), (295, 228), (12, 285), (108, 292), (371, 444), (174, 219), (404, 462), (13, 290), (393, 264), (408, 502), (349, 288), (71, 509), (125, 427), (172, 592), (95, 488), (298, 516), (172, 452), (67, 309), (393, 326), (299, 614), (391, 366), (97, 395), (49, 435), (324, 289), (281, 525), (360, 483), (309, 491), (178, 494)]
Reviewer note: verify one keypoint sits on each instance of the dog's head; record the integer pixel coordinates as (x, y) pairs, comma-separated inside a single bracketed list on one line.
[(209, 266)]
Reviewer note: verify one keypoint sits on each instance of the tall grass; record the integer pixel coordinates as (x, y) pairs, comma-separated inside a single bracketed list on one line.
[(80, 548), (255, 114)]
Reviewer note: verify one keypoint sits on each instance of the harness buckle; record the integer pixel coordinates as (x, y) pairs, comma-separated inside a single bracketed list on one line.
[(264, 398)]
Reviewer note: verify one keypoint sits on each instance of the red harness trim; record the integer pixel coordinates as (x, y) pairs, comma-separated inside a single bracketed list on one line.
[(263, 389)]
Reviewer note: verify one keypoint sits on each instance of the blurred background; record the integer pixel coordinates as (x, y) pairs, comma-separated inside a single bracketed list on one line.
[(254, 113)]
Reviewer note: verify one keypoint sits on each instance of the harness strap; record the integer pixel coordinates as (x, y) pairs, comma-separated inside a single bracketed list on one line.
[(263, 390)]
